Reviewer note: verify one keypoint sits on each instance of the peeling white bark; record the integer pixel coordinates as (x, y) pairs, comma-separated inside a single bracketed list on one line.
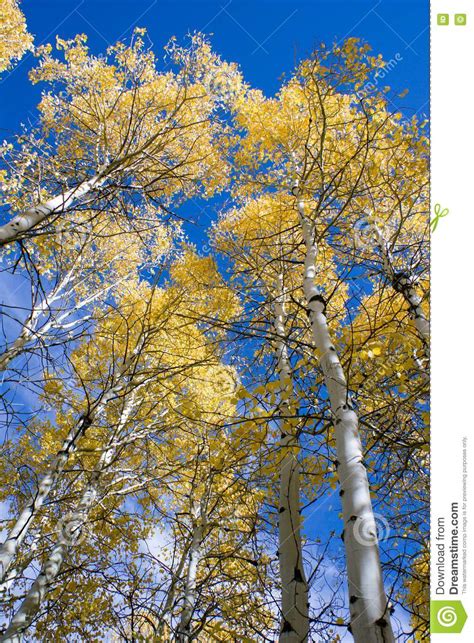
[(294, 597), (370, 618)]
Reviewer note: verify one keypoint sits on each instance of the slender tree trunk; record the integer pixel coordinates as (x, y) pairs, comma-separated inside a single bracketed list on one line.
[(294, 589), (20, 528), (189, 593), (32, 328), (69, 535), (403, 283), (370, 619), (163, 626), (25, 221)]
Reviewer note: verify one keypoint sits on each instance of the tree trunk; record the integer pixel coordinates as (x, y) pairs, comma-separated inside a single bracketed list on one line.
[(402, 282), (184, 631), (370, 619), (189, 593), (163, 626), (294, 589), (69, 535), (20, 528), (25, 221)]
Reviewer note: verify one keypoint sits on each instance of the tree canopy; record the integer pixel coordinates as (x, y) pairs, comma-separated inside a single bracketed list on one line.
[(212, 432)]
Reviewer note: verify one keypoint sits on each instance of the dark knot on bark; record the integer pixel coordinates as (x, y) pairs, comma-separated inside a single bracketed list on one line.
[(298, 577), (86, 422), (320, 299), (401, 280), (287, 627)]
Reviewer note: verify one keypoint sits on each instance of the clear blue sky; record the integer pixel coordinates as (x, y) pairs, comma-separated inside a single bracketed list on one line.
[(266, 37)]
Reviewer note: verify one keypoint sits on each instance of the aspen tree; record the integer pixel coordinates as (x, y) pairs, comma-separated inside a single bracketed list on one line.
[(70, 530), (185, 424), (294, 588), (337, 178), (20, 528), (73, 274), (370, 619), (150, 336), (119, 126), (259, 239)]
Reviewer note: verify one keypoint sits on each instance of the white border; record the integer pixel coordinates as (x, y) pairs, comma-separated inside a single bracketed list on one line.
[(452, 307)]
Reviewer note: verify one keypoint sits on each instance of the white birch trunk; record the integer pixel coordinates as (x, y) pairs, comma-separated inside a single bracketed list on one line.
[(32, 328), (294, 589), (403, 284), (370, 619), (69, 534), (20, 528), (25, 221), (163, 626), (194, 555), (22, 525)]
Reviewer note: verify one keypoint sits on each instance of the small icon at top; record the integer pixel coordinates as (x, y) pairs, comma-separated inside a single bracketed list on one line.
[(443, 18), (460, 19)]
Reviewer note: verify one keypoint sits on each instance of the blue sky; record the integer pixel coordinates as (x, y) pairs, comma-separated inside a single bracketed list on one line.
[(266, 37)]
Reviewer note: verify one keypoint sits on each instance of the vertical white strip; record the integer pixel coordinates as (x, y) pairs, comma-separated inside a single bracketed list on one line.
[(452, 314)]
